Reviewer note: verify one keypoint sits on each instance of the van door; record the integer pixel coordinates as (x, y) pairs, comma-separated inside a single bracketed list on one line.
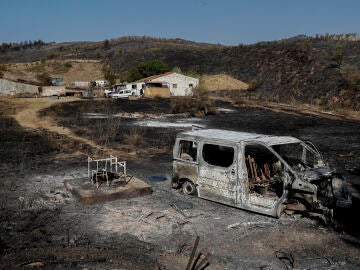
[(266, 177), (218, 173), (185, 164)]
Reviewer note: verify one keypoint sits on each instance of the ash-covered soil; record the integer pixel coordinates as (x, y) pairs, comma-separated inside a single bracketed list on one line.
[(42, 223)]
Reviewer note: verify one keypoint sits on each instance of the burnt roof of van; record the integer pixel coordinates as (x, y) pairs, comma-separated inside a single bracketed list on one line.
[(236, 136)]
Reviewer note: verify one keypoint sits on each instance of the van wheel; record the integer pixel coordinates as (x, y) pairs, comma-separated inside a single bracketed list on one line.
[(189, 188)]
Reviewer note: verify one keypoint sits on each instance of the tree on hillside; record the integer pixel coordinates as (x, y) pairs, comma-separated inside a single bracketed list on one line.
[(44, 78), (109, 75), (338, 54), (146, 69), (106, 44)]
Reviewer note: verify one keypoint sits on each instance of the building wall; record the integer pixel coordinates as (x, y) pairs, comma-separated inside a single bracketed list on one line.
[(152, 92), (179, 84), (12, 88), (81, 84), (138, 85), (47, 91)]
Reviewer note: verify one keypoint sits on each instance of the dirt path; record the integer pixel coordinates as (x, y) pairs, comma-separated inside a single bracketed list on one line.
[(27, 116)]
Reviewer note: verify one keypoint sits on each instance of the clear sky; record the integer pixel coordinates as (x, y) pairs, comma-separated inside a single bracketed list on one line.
[(228, 22)]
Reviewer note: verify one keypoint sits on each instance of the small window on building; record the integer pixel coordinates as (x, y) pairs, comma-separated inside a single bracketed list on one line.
[(174, 85), (188, 150), (133, 86), (191, 85), (218, 155)]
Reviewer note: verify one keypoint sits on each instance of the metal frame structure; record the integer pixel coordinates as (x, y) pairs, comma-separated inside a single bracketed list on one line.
[(105, 165)]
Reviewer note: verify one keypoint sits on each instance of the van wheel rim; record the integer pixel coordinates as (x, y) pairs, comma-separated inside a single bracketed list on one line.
[(189, 188)]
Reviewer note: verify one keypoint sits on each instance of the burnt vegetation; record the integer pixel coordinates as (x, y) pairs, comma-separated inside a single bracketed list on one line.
[(321, 70)]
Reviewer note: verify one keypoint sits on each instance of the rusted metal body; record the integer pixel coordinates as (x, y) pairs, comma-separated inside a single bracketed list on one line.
[(260, 173)]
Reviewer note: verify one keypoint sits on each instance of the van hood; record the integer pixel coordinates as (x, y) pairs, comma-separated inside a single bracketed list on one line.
[(314, 174)]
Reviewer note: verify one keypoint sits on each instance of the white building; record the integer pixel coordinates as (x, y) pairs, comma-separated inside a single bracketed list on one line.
[(180, 85), (101, 83), (80, 84), (135, 87)]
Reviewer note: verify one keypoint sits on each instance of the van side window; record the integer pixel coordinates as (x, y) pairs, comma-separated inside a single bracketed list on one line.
[(188, 150), (218, 155)]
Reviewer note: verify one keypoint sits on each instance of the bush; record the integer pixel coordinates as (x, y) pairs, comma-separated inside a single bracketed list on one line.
[(352, 76), (338, 54), (44, 78), (253, 85), (199, 104), (3, 67), (67, 65)]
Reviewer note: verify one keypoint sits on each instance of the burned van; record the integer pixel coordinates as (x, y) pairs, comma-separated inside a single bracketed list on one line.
[(260, 173)]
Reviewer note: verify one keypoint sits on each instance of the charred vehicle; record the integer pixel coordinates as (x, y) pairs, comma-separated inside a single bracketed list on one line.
[(260, 173)]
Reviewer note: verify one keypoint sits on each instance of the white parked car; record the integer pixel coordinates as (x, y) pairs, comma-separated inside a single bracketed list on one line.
[(108, 93), (122, 94)]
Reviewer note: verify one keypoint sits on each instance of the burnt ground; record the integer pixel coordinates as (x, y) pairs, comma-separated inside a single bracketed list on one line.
[(41, 222)]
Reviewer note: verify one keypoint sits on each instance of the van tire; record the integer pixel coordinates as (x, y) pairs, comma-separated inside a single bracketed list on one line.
[(189, 188)]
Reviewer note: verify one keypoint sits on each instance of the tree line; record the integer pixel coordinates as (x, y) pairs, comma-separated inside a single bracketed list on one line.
[(14, 46)]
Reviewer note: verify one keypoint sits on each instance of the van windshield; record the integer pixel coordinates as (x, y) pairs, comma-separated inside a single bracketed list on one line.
[(297, 156)]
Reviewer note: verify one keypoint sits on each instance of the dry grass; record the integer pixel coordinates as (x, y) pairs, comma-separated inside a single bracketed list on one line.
[(69, 70), (135, 138), (222, 82)]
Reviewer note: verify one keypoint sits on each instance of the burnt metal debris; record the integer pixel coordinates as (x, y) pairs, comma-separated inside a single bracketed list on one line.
[(201, 262), (261, 173), (107, 170)]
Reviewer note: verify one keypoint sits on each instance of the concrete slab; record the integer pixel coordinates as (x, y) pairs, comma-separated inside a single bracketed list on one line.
[(88, 193)]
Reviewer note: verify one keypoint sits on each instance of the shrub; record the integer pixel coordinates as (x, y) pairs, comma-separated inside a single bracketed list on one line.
[(199, 104), (352, 76), (338, 54), (67, 64), (44, 78), (3, 67), (253, 85)]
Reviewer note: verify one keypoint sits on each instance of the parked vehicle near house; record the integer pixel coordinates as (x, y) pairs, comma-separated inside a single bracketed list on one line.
[(122, 94), (261, 173), (108, 92)]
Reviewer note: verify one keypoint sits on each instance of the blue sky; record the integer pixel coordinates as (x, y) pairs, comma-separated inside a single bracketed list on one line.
[(228, 22)]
